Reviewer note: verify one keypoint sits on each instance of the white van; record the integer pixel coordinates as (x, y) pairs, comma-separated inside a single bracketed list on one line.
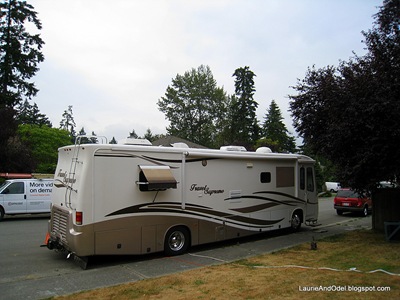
[(25, 196), (332, 187)]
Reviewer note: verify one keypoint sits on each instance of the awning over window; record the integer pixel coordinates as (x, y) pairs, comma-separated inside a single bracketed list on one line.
[(153, 178)]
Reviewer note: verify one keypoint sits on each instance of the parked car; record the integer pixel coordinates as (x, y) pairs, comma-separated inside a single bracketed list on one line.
[(332, 187), (347, 200), (387, 185)]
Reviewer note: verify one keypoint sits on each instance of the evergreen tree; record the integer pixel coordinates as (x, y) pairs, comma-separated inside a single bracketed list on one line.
[(93, 139), (67, 123), (113, 141), (149, 135), (275, 131), (133, 134), (19, 52), (19, 58), (82, 137), (244, 126), (30, 114), (8, 128)]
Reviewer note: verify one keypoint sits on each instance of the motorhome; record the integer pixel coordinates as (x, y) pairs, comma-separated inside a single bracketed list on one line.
[(136, 199), (25, 196)]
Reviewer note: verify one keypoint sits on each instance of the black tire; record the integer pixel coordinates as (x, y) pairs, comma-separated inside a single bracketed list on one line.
[(364, 212), (339, 212), (1, 213), (295, 221), (177, 241)]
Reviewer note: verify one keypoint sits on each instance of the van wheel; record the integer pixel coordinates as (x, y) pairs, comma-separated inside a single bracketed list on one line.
[(176, 241), (295, 222), (1, 213)]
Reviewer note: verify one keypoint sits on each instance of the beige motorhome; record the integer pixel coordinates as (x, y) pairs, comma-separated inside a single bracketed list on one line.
[(137, 199)]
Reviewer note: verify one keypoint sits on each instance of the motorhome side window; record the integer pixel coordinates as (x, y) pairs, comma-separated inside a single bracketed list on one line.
[(15, 188), (302, 178), (265, 177), (284, 176), (310, 180)]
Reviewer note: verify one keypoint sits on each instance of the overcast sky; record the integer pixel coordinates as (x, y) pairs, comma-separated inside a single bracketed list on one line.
[(113, 60)]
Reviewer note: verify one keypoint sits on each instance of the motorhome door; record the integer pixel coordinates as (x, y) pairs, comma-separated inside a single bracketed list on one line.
[(308, 190)]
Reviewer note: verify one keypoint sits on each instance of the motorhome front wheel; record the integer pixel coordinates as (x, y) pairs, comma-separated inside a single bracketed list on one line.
[(295, 222)]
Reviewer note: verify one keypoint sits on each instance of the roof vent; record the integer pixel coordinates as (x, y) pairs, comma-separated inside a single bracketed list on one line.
[(130, 141), (233, 148), (264, 150), (179, 145)]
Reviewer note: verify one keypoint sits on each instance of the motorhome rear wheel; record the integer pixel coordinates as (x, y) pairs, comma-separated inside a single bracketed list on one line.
[(176, 241)]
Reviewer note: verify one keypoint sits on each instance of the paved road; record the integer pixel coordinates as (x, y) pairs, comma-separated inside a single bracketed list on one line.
[(31, 272)]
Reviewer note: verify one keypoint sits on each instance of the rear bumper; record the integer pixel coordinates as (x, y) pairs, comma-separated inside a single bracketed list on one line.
[(349, 208), (65, 236)]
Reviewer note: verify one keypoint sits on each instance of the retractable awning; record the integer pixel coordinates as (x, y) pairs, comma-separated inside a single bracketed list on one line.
[(153, 178)]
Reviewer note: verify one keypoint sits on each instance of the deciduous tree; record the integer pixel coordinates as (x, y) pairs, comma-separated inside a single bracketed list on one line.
[(194, 104), (43, 142), (349, 114)]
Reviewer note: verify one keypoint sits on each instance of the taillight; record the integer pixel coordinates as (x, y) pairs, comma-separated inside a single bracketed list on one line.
[(79, 217)]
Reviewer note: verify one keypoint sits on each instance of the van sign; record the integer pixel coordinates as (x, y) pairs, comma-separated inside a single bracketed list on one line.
[(40, 187)]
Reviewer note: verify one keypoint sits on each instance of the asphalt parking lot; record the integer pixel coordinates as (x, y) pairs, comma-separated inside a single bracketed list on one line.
[(31, 272)]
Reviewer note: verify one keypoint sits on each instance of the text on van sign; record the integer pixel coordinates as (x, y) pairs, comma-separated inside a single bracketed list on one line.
[(40, 187)]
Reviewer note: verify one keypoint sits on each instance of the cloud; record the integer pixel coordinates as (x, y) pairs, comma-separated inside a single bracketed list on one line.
[(113, 60)]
